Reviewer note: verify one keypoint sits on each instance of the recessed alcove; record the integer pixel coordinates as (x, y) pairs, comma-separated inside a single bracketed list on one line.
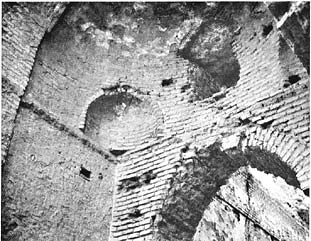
[(120, 121), (216, 65), (202, 180), (106, 114)]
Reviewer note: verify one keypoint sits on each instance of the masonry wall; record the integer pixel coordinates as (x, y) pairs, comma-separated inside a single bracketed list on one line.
[(293, 22), (122, 120), (71, 72), (44, 194), (169, 203), (219, 213), (257, 97), (260, 100), (259, 197), (73, 68), (23, 27)]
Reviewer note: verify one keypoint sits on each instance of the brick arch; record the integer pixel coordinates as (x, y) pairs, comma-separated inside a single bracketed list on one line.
[(32, 21), (156, 127), (292, 151), (114, 89), (200, 178), (255, 204)]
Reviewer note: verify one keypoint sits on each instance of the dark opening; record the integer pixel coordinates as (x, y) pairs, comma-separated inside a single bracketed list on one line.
[(135, 182), (85, 174), (236, 213), (185, 87), (307, 192), (153, 219), (256, 226), (304, 215), (244, 121), (135, 214), (278, 9), (267, 124), (129, 183), (184, 149), (219, 96), (147, 177), (118, 152), (291, 80), (6, 6), (167, 82), (267, 29), (81, 129), (294, 79), (8, 226)]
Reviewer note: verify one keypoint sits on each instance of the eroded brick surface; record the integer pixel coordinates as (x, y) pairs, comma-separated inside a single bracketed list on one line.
[(23, 27), (45, 196), (99, 52)]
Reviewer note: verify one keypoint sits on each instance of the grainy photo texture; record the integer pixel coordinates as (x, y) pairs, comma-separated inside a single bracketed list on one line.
[(163, 121)]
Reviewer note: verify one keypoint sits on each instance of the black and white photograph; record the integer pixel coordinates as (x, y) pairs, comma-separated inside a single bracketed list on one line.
[(155, 121)]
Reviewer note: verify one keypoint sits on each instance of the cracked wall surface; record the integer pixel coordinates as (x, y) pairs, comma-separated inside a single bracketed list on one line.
[(23, 27), (108, 110), (44, 196)]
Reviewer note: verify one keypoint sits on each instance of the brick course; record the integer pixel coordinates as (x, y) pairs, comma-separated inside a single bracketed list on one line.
[(265, 110)]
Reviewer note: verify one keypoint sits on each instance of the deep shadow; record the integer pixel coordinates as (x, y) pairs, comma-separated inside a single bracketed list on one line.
[(210, 50), (192, 191)]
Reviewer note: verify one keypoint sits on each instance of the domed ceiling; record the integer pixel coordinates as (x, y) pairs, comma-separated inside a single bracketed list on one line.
[(119, 33)]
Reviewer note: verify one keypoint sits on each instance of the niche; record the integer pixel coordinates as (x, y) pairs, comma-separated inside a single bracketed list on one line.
[(167, 82), (291, 80), (84, 173), (307, 192), (266, 29)]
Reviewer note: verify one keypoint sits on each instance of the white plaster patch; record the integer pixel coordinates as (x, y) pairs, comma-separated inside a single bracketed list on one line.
[(182, 34), (230, 141), (85, 26), (128, 39), (277, 186), (102, 38)]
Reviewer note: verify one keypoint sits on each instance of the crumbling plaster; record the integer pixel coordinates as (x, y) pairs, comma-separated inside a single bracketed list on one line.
[(153, 49)]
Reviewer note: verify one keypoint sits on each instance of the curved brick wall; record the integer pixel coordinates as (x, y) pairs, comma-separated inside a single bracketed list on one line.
[(193, 188), (160, 162), (121, 121), (23, 27), (94, 58), (45, 196)]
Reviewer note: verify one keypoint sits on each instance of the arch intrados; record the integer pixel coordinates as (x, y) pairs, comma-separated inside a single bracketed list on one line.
[(193, 189)]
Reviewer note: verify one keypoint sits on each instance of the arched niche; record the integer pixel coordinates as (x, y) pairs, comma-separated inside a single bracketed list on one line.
[(215, 65), (196, 185), (120, 121)]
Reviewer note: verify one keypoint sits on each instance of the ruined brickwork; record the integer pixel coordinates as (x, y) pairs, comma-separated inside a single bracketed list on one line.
[(23, 27), (241, 200), (293, 21), (125, 127), (54, 201)]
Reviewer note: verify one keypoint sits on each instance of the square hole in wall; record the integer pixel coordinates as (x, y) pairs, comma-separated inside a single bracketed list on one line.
[(85, 174)]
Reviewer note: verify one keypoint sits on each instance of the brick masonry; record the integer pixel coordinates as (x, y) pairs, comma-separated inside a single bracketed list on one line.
[(238, 204), (45, 194), (267, 108), (23, 27)]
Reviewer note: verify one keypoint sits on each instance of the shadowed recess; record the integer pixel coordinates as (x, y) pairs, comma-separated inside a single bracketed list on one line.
[(211, 51), (193, 190), (119, 121)]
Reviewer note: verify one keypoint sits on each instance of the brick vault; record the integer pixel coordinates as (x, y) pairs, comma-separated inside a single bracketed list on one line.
[(155, 121)]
